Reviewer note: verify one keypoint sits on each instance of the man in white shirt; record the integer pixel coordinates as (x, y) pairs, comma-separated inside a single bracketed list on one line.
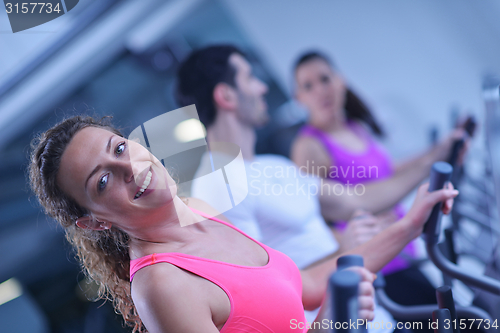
[(286, 210)]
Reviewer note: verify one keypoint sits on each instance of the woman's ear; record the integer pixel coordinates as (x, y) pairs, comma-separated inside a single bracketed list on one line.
[(225, 97), (89, 222)]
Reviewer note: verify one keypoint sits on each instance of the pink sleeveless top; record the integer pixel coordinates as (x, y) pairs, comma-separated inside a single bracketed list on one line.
[(358, 168), (264, 299)]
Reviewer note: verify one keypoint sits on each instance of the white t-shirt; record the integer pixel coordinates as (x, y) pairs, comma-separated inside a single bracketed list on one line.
[(281, 210)]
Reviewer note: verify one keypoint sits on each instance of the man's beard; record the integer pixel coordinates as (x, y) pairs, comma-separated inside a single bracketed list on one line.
[(249, 106)]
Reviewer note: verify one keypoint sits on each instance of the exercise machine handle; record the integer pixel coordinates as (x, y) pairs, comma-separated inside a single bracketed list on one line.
[(445, 300), (455, 151), (350, 260), (442, 319), (344, 286), (440, 174), (343, 262)]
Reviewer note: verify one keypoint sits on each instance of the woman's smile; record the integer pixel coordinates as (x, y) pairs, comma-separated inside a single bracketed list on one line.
[(145, 189)]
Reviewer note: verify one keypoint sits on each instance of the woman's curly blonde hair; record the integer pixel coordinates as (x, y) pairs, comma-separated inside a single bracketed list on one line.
[(103, 254)]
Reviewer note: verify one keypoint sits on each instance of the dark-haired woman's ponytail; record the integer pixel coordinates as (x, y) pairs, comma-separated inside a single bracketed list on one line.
[(357, 110)]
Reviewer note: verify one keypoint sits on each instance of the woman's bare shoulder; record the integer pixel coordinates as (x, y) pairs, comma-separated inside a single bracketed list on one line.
[(306, 149), (151, 279), (306, 146), (170, 299)]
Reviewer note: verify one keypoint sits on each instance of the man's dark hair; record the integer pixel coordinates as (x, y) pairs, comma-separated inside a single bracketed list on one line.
[(355, 108), (200, 73)]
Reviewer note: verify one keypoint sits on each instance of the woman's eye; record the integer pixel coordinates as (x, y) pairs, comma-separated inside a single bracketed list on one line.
[(103, 181), (120, 148), (307, 86), (325, 79)]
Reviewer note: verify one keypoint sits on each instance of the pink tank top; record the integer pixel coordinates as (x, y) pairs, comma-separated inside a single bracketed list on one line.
[(358, 168), (264, 299)]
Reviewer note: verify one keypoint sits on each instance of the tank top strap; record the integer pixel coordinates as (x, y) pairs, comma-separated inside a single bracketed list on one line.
[(199, 266), (173, 258), (334, 149), (308, 130), (186, 261)]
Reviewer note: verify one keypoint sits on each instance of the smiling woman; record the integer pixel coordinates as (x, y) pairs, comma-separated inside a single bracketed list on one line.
[(120, 209), (104, 255), (167, 266), (111, 176)]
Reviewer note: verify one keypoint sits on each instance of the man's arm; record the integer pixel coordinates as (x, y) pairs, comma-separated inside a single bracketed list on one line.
[(361, 227), (382, 248), (376, 254)]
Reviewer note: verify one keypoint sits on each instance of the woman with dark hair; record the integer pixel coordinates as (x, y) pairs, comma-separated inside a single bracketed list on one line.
[(168, 266), (336, 144)]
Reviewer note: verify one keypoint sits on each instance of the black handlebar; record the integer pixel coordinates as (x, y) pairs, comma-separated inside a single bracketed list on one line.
[(455, 150), (440, 318), (440, 173), (344, 287), (470, 126), (445, 301), (349, 261)]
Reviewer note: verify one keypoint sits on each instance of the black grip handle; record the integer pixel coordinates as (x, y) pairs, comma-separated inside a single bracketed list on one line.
[(344, 287), (444, 297), (451, 254), (349, 261), (434, 135), (440, 173), (442, 321), (470, 126), (455, 150)]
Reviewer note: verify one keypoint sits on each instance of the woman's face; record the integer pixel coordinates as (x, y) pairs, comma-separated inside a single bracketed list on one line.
[(106, 173), (321, 90)]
